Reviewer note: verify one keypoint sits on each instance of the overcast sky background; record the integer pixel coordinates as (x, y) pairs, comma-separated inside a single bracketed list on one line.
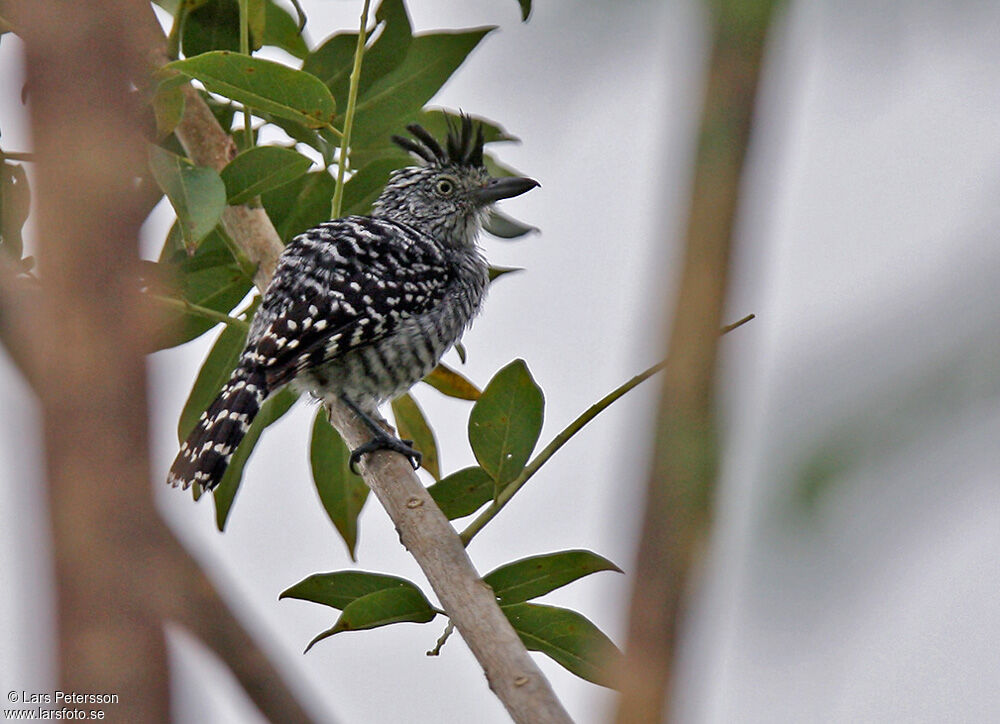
[(856, 564)]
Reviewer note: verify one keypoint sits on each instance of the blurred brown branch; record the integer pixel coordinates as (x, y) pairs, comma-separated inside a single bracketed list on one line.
[(82, 343), (681, 485), (89, 373)]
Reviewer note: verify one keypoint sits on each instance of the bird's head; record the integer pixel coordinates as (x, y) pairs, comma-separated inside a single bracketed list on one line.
[(450, 195)]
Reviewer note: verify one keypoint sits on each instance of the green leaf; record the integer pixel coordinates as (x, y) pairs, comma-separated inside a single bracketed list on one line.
[(525, 9), (270, 412), (301, 204), (463, 492), (505, 227), (568, 638), (376, 162), (282, 31), (390, 48), (333, 61), (497, 169), (397, 97), (262, 84), (535, 576), (168, 107), (15, 203), (256, 22), (215, 25), (411, 424), (214, 372), (196, 192), (451, 383), (381, 608), (212, 25), (342, 493), (436, 122), (340, 588), (366, 184), (322, 139), (506, 421), (261, 169), (384, 151), (173, 246), (210, 278)]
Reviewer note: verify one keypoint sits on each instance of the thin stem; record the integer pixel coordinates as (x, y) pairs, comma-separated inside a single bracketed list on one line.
[(245, 50), (504, 496), (436, 651), (186, 306), (738, 323), (352, 99)]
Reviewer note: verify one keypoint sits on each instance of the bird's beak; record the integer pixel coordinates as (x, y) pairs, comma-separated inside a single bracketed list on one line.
[(504, 188)]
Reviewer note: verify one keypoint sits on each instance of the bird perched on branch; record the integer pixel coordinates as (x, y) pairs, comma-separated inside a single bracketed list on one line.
[(361, 308)]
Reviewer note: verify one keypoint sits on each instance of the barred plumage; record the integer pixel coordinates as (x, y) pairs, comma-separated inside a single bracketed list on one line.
[(361, 308)]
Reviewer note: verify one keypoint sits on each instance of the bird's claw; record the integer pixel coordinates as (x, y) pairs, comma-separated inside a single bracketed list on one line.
[(386, 442)]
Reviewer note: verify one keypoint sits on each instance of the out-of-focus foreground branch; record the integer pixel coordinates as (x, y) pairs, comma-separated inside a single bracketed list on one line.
[(681, 484), (87, 336), (82, 336), (425, 531)]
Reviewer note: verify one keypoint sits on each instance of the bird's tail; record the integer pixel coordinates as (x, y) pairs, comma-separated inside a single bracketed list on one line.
[(205, 455)]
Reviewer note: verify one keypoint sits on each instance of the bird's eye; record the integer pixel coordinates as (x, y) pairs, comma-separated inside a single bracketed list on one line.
[(445, 187)]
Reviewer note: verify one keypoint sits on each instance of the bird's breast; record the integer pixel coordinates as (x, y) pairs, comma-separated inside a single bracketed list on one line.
[(389, 366)]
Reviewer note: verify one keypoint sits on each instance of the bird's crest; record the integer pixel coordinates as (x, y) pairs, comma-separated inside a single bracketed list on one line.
[(463, 146)]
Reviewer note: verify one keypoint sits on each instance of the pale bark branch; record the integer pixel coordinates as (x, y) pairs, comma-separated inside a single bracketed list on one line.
[(469, 601), (207, 144), (511, 672)]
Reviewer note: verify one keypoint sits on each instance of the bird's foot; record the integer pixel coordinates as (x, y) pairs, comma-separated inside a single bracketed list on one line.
[(385, 441), (381, 439)]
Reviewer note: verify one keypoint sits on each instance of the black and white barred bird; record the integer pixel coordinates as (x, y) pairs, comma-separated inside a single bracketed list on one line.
[(361, 308)]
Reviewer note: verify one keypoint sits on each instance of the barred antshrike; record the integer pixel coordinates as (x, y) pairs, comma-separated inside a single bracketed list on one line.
[(361, 308)]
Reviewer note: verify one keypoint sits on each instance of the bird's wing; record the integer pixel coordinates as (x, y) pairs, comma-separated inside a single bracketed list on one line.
[(342, 285)]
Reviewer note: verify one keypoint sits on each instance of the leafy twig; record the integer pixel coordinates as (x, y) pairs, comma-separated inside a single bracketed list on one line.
[(352, 99), (197, 310), (504, 496)]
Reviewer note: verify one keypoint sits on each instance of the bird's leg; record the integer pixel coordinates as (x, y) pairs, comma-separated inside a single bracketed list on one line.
[(381, 440)]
